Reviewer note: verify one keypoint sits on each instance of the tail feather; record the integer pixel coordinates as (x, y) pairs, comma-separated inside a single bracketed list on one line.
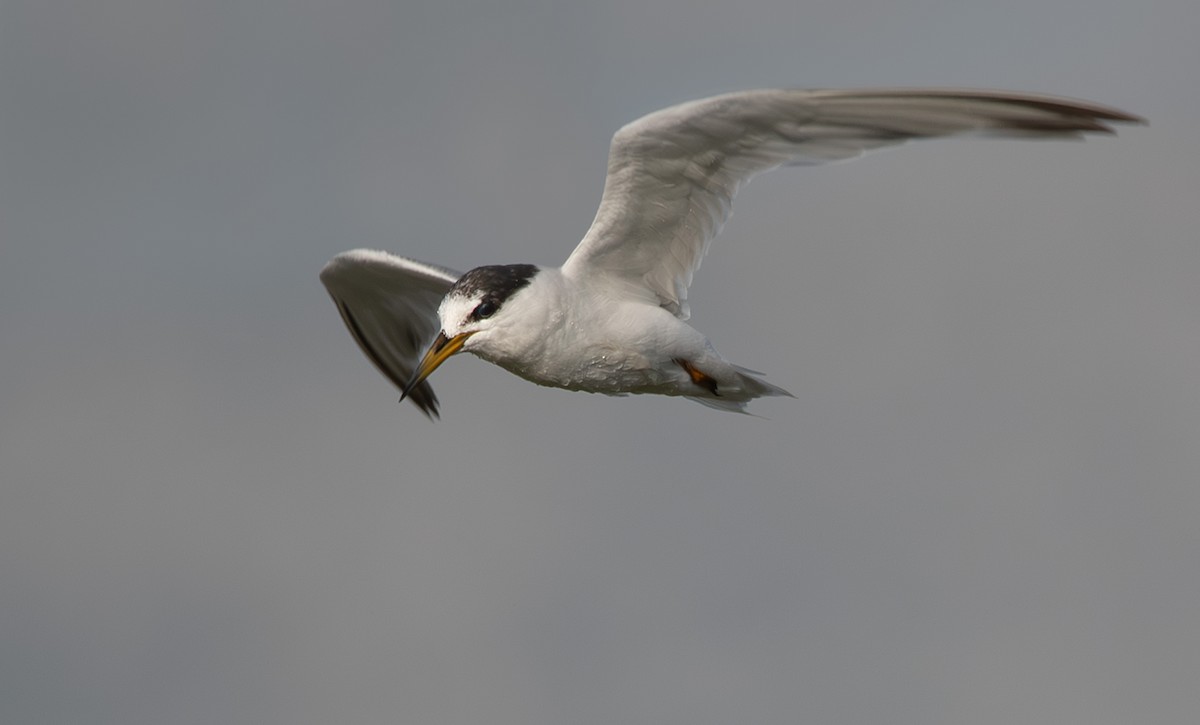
[(754, 383), (752, 387)]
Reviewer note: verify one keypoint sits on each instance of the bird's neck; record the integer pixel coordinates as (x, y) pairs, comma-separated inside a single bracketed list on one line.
[(539, 314)]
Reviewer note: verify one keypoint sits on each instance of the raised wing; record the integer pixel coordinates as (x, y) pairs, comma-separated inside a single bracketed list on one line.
[(672, 175), (389, 304)]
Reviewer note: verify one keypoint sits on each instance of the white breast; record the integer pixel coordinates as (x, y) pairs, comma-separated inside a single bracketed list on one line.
[(576, 337)]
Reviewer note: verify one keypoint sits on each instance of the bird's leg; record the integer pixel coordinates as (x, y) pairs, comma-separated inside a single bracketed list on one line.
[(698, 376)]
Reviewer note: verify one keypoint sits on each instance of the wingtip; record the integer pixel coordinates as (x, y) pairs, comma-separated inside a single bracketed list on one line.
[(430, 411), (422, 396)]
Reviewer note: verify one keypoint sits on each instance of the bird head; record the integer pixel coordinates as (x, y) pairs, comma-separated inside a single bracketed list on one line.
[(474, 315)]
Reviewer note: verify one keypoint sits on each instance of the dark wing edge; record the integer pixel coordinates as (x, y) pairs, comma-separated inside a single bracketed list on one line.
[(389, 305)]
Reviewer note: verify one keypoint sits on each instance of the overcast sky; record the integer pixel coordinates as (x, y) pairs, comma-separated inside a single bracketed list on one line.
[(980, 508)]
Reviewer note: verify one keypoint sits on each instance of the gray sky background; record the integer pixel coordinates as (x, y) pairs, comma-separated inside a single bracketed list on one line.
[(981, 508)]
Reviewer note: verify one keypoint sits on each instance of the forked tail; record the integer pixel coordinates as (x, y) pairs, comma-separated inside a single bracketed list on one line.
[(751, 386)]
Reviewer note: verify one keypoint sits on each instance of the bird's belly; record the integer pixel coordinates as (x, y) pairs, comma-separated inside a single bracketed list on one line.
[(611, 371), (616, 350)]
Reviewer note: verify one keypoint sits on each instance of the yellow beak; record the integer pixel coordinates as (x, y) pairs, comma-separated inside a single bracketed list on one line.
[(441, 349)]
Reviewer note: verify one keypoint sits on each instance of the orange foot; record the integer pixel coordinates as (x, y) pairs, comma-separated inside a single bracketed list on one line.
[(698, 376)]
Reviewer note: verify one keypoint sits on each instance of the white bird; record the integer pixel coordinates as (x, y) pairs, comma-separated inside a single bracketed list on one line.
[(611, 319)]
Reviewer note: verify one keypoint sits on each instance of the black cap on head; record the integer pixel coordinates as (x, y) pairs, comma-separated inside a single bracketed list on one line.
[(497, 282)]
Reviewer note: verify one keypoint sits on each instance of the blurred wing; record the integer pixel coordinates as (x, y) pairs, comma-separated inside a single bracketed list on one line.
[(672, 175), (389, 304)]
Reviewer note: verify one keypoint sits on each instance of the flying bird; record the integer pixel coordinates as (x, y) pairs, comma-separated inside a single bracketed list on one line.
[(612, 318)]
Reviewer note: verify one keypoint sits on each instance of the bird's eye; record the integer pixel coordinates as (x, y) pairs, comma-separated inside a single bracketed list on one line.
[(485, 310)]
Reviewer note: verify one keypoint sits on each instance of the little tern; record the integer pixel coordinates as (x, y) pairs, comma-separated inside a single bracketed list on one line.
[(612, 318)]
